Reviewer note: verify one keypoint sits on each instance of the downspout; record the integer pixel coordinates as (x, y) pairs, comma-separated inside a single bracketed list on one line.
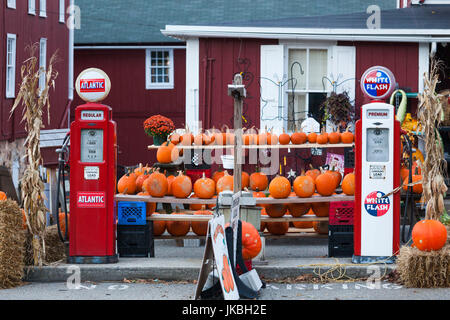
[(433, 49), (71, 63)]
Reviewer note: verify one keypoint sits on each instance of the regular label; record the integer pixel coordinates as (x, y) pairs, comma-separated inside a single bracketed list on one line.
[(91, 173), (377, 172)]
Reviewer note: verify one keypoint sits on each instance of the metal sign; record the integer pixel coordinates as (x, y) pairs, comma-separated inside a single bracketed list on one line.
[(378, 83), (93, 85)]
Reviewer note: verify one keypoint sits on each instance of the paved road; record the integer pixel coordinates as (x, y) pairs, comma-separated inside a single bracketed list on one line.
[(157, 290)]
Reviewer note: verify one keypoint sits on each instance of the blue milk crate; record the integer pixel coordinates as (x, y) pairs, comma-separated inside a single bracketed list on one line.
[(131, 213)]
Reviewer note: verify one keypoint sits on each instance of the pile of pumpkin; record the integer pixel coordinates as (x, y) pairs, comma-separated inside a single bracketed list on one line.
[(147, 181), (253, 137)]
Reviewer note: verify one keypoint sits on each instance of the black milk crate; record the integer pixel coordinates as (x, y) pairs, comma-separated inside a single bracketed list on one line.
[(349, 158), (340, 241), (131, 213), (134, 240)]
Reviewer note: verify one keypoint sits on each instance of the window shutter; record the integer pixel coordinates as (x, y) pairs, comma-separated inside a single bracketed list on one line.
[(343, 69), (272, 111)]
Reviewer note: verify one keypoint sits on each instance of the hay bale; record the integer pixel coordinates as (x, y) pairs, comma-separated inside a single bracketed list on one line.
[(12, 238), (54, 248), (421, 269)]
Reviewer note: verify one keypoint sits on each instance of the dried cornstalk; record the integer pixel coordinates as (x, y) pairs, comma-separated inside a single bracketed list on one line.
[(434, 168), (34, 100)]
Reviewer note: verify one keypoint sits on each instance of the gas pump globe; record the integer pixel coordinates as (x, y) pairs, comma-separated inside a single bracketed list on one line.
[(93, 158), (377, 172)]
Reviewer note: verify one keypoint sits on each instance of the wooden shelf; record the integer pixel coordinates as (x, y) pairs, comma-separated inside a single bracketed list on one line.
[(191, 217), (275, 146), (268, 200)]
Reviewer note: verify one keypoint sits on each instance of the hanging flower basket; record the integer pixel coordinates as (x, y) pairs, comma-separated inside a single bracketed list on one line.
[(158, 127)]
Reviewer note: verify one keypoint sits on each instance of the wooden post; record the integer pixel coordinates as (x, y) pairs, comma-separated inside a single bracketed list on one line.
[(238, 92)]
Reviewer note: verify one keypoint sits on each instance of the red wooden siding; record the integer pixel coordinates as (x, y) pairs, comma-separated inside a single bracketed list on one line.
[(401, 58), (220, 60), (130, 101), (30, 29)]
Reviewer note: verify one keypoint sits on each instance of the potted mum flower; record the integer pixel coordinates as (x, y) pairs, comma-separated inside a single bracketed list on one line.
[(158, 127)]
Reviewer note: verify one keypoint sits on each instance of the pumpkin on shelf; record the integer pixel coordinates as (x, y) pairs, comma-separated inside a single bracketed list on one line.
[(169, 185), (225, 183), (298, 209), (277, 228), (321, 227), (140, 181), (284, 138), (178, 228), (167, 153), (217, 175), (304, 186), (156, 184), (276, 210), (175, 138), (181, 186), (299, 137), (304, 224), (347, 137), (127, 184), (280, 187), (312, 137), (321, 209), (187, 138), (416, 181), (245, 180), (259, 181), (322, 138), (334, 137), (429, 235), (200, 228), (325, 184), (312, 172), (263, 223), (159, 227), (205, 188), (348, 184), (336, 175), (249, 138)]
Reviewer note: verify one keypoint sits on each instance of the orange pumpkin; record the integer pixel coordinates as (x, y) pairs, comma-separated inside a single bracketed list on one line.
[(169, 185), (150, 206), (175, 138), (276, 210), (278, 228), (429, 235), (321, 227), (280, 187), (299, 137), (336, 175), (181, 186), (298, 209), (304, 186), (200, 228), (312, 137), (272, 138), (321, 209), (304, 224), (159, 227), (322, 138), (334, 137), (251, 241), (258, 181), (284, 138), (245, 180), (347, 136), (225, 183), (348, 184), (217, 175), (3, 196), (313, 173), (205, 188), (156, 185), (167, 153), (127, 184), (140, 181), (178, 228), (187, 139), (417, 188), (325, 184), (263, 223)]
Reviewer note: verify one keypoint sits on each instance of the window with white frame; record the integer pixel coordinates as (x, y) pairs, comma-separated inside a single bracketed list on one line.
[(62, 9), (42, 62), (32, 7), (43, 8), (11, 4), (307, 87), (159, 68), (10, 65)]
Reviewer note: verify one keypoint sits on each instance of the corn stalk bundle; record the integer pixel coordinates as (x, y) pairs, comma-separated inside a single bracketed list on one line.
[(434, 168), (34, 99)]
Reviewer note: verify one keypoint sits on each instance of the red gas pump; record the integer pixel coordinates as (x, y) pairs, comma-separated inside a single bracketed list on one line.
[(93, 159)]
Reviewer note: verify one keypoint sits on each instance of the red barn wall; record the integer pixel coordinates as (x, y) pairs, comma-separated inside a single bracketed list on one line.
[(30, 29), (131, 102)]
